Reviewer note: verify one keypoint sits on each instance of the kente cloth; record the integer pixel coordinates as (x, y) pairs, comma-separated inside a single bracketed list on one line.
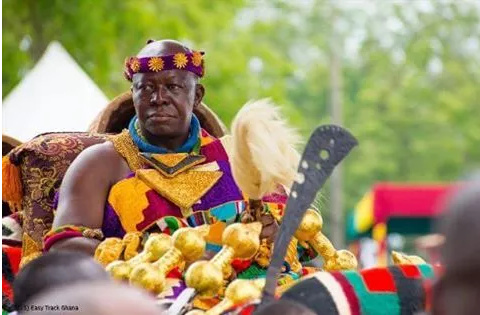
[(133, 205), (399, 289)]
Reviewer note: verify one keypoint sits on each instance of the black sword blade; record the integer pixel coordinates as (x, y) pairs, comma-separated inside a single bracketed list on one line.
[(327, 146)]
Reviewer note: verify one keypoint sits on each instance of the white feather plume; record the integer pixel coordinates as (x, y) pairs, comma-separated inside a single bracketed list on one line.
[(263, 153)]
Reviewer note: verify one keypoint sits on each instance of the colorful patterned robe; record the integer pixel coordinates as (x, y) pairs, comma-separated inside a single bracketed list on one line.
[(133, 205)]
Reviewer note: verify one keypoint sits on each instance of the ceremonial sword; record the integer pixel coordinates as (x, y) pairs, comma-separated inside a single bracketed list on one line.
[(327, 146)]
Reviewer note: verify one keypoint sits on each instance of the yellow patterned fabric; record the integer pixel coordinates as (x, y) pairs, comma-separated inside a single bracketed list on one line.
[(128, 199), (175, 163), (215, 232), (171, 159), (184, 189), (124, 145), (30, 250)]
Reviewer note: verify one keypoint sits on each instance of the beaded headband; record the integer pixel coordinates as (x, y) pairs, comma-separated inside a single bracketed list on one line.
[(192, 62)]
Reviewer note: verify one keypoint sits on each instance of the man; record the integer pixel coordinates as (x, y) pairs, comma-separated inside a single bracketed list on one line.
[(458, 290), (92, 299), (52, 270), (182, 176)]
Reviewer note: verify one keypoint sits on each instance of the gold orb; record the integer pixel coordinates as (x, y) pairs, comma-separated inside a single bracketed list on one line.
[(147, 277), (242, 291), (157, 245), (243, 238), (204, 277), (190, 243), (119, 270), (311, 224)]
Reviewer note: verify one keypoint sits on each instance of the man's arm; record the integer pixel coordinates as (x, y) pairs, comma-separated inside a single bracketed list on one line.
[(83, 194)]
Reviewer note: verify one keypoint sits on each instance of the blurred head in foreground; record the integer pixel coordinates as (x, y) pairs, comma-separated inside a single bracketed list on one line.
[(55, 269), (458, 290), (286, 307), (95, 298)]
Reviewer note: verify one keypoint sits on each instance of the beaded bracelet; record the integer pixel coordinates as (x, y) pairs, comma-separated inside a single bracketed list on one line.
[(70, 231)]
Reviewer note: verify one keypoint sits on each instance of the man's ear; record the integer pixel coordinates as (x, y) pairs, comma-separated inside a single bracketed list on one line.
[(199, 93)]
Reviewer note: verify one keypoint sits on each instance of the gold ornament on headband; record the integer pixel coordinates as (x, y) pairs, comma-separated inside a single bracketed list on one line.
[(155, 64), (191, 61), (180, 60)]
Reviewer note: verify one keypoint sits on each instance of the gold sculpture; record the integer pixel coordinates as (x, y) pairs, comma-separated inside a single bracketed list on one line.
[(309, 231), (155, 247), (292, 256), (109, 250), (131, 241), (188, 245), (239, 241), (239, 291), (403, 259)]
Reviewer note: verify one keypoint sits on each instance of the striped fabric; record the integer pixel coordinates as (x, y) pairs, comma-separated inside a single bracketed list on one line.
[(385, 290)]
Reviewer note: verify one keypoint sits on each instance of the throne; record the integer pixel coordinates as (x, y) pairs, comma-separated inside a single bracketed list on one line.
[(33, 171)]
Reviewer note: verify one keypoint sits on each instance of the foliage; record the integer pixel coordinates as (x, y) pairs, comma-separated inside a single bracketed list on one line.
[(410, 71)]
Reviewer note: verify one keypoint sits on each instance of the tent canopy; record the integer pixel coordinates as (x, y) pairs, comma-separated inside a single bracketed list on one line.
[(392, 201), (56, 95)]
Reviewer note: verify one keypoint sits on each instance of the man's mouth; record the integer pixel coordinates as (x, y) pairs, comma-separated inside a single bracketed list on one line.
[(160, 116)]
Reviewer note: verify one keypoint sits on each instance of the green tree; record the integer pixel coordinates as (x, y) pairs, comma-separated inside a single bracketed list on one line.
[(410, 69)]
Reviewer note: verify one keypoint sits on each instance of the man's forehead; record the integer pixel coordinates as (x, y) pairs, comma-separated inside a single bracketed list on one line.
[(163, 75)]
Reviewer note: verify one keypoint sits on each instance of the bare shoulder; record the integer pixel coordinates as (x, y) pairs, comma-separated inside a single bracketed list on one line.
[(101, 159), (86, 184), (105, 151)]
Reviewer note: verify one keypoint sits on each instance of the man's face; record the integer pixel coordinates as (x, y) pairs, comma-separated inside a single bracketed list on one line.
[(164, 102)]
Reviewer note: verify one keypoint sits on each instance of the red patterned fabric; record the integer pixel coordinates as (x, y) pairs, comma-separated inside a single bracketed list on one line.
[(410, 271), (378, 280), (175, 273), (240, 265), (389, 290), (10, 265)]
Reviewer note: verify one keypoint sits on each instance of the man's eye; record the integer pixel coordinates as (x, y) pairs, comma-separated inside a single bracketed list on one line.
[(144, 87), (173, 87)]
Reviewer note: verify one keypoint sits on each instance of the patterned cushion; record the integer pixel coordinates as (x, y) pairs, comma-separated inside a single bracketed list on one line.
[(43, 162)]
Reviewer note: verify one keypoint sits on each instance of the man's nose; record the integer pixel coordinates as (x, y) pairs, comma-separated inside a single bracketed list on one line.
[(159, 96)]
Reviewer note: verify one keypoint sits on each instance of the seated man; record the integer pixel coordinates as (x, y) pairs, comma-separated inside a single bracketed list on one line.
[(112, 189), (52, 270)]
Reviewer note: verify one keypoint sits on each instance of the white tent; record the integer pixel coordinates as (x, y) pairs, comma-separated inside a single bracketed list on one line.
[(56, 95)]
